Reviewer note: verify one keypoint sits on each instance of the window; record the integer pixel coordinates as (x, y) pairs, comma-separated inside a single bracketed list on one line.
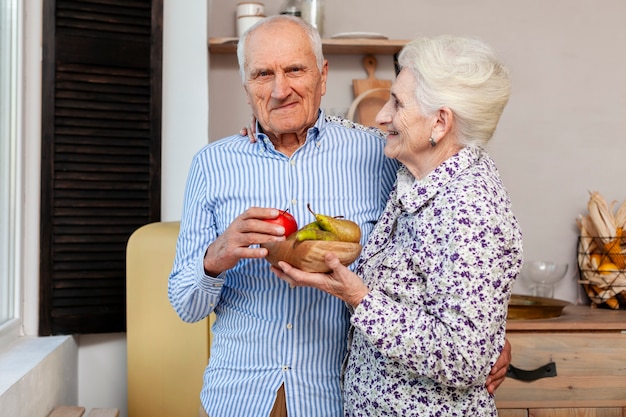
[(10, 113)]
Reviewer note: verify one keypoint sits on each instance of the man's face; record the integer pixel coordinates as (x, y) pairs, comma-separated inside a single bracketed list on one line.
[(283, 83)]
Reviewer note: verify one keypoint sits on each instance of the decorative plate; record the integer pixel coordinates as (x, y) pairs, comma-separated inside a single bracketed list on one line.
[(529, 307), (359, 35)]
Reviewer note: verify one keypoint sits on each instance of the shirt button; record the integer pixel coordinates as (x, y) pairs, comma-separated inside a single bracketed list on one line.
[(294, 201), (292, 286), (289, 326), (292, 162), (285, 368)]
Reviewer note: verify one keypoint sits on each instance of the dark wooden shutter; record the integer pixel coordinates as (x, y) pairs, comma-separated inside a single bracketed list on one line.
[(101, 151)]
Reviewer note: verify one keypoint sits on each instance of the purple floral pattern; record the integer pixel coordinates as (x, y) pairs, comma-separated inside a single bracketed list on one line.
[(440, 266)]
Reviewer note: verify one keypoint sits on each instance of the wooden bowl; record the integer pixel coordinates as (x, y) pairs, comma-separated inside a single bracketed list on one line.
[(308, 255)]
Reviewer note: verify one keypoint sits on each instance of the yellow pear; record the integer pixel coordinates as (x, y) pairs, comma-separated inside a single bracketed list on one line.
[(345, 230)]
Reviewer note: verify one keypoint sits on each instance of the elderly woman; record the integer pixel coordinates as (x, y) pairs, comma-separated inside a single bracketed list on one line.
[(430, 293)]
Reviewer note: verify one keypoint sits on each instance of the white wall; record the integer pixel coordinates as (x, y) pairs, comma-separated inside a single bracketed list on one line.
[(185, 97), (560, 136), (562, 133)]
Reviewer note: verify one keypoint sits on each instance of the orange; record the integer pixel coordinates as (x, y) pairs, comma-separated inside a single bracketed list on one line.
[(608, 267), (596, 260)]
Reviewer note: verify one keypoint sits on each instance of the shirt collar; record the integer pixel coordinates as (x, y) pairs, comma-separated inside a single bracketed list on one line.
[(413, 193), (313, 135)]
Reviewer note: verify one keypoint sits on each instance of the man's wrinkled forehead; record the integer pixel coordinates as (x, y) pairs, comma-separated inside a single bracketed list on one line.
[(268, 50)]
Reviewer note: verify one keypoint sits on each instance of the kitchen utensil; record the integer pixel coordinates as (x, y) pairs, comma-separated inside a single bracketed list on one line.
[(250, 8), (370, 94), (246, 22), (543, 275), (313, 13), (292, 8)]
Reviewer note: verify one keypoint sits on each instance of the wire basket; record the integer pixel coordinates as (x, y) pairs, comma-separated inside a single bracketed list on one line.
[(602, 279)]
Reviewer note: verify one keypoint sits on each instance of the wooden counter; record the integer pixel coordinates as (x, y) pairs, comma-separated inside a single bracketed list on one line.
[(588, 348), (574, 318)]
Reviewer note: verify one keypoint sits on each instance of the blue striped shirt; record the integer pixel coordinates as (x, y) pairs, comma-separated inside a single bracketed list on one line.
[(266, 333)]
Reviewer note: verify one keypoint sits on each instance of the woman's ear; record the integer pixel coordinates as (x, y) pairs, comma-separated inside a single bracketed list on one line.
[(444, 120)]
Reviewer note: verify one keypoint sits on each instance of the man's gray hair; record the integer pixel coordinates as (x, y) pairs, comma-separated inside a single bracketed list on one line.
[(312, 33)]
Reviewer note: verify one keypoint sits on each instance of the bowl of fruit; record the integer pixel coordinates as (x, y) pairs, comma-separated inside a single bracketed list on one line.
[(306, 248)]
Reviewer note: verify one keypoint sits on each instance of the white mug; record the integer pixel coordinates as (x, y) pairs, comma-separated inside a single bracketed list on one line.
[(250, 8), (245, 22)]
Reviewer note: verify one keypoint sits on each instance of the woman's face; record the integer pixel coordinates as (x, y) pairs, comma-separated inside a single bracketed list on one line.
[(409, 130)]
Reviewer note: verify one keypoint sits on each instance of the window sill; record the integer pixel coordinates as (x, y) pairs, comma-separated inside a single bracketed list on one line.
[(42, 367)]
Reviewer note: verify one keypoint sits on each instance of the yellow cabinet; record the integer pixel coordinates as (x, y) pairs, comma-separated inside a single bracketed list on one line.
[(166, 356)]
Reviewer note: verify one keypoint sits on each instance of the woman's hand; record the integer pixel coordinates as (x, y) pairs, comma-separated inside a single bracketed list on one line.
[(340, 282), (498, 371), (250, 130)]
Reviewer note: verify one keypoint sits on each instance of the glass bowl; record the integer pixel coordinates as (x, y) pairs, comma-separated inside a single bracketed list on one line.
[(543, 275)]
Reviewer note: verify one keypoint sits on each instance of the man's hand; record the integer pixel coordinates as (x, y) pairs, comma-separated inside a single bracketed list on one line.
[(248, 229), (498, 371)]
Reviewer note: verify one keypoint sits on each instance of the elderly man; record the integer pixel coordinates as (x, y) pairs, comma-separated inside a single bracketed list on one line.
[(275, 347)]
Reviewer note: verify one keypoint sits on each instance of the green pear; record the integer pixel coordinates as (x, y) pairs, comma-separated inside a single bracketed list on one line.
[(314, 234), (312, 225), (345, 230)]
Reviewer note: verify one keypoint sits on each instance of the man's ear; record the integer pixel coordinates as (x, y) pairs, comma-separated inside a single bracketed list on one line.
[(324, 76), (245, 90)]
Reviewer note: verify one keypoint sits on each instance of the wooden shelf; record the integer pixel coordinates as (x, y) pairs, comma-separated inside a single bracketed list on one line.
[(330, 46)]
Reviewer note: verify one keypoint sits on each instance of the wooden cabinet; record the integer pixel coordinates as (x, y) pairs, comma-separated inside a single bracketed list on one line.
[(588, 349), (564, 412)]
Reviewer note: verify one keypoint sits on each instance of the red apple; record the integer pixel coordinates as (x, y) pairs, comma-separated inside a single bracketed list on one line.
[(287, 221)]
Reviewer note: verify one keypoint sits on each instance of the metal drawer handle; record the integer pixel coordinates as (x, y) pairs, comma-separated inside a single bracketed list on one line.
[(544, 371)]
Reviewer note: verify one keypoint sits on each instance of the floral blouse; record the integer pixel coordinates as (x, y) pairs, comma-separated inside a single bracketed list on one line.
[(440, 266)]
